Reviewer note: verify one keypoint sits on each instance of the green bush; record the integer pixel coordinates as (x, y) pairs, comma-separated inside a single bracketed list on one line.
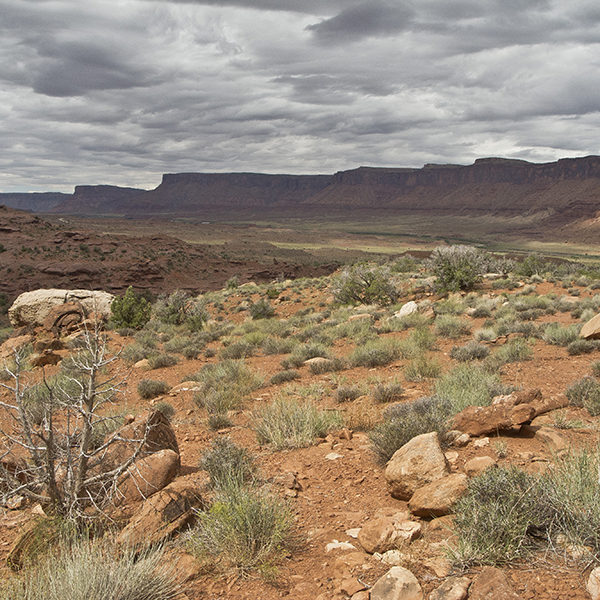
[(532, 265), (261, 309), (364, 283), (516, 350), (225, 385), (150, 388), (273, 345), (558, 335), (493, 520), (287, 423), (581, 347), (402, 422), (237, 350), (217, 421), (131, 310), (246, 529), (457, 267), (227, 464), (507, 513), (327, 366)]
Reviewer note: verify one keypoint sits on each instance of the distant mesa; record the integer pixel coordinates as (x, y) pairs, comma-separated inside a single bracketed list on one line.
[(557, 192)]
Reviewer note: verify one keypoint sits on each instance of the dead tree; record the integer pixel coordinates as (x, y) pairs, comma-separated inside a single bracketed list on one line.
[(55, 443)]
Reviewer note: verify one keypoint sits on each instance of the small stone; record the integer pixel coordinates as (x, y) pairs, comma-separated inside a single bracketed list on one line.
[(451, 457), (454, 588), (352, 586), (353, 533), (334, 456), (462, 440), (335, 545), (492, 583), (482, 443)]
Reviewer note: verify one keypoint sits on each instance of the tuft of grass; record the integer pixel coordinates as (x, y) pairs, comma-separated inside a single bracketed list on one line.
[(581, 347), (166, 409), (225, 385), (287, 423), (285, 376), (585, 392), (384, 393), (327, 366), (217, 421), (97, 571), (347, 393), (151, 388), (375, 354), (507, 513), (470, 351), (162, 361), (452, 327), (272, 345), (422, 368), (402, 422), (468, 384), (237, 350), (493, 519), (227, 464), (559, 335)]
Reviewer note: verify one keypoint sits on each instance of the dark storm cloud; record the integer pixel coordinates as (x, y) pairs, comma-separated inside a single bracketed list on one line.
[(120, 91), (363, 20)]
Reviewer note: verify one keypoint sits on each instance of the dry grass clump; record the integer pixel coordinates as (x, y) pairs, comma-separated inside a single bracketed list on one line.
[(288, 423), (96, 571), (151, 388)]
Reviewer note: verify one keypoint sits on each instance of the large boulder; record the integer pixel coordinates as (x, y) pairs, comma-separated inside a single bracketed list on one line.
[(146, 476), (163, 514), (32, 308), (437, 498), (591, 329), (506, 412), (417, 463), (150, 427)]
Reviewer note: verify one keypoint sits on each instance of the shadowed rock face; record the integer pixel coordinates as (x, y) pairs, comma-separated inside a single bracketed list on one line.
[(564, 190)]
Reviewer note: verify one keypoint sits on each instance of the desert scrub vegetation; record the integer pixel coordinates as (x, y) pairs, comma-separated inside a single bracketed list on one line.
[(585, 392), (470, 351), (225, 385), (559, 335), (516, 350), (402, 422), (261, 309), (468, 384), (304, 352), (285, 376), (130, 310), (228, 464), (422, 368), (376, 353), (162, 361), (364, 283), (288, 423), (151, 388), (457, 267), (452, 327), (507, 513), (96, 571), (246, 530), (386, 392)]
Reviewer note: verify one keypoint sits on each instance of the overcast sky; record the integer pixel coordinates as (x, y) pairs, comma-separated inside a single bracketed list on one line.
[(120, 91)]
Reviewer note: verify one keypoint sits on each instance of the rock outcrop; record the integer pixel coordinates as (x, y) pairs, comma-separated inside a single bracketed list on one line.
[(32, 308)]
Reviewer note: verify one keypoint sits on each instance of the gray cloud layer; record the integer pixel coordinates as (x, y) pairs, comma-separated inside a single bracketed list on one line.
[(120, 92)]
